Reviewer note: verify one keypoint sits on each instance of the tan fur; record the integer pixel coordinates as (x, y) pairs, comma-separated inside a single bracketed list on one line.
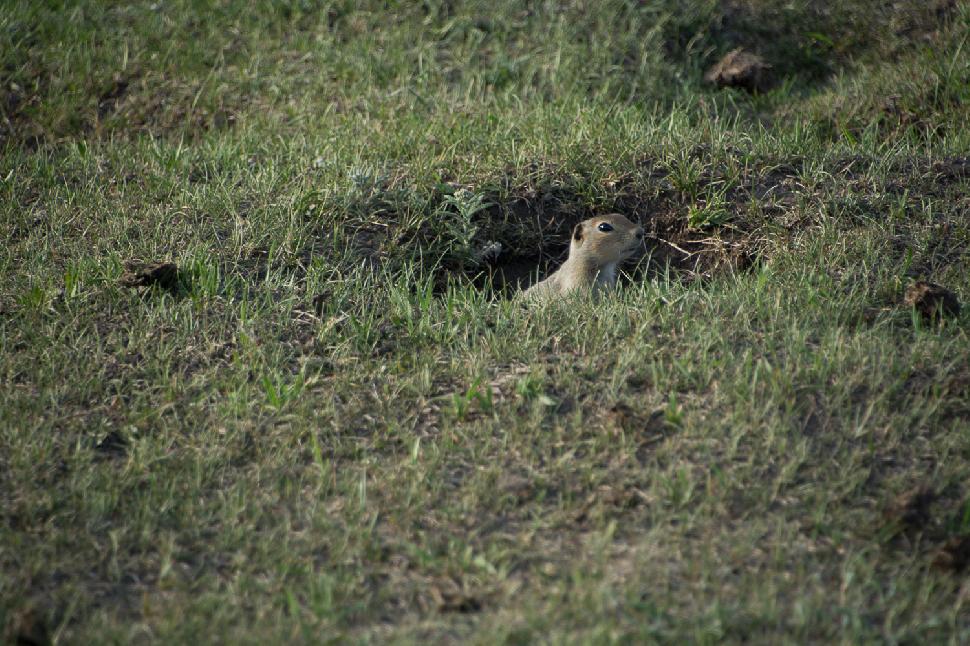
[(593, 257)]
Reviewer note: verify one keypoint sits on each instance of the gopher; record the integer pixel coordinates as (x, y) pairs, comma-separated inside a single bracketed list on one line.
[(597, 246)]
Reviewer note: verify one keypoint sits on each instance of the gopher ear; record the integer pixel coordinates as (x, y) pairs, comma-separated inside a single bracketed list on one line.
[(578, 232)]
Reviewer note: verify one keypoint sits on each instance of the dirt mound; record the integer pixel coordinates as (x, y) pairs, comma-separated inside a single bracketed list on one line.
[(954, 555), (740, 69), (931, 300), (164, 275), (912, 509)]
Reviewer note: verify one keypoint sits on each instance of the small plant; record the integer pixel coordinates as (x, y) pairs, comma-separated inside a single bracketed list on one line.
[(462, 402), (72, 281), (456, 214), (279, 393), (34, 298), (685, 175), (528, 387), (710, 212), (365, 179), (679, 487), (203, 278), (704, 216), (674, 413)]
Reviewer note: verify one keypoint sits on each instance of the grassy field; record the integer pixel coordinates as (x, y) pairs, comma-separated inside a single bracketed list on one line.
[(333, 421)]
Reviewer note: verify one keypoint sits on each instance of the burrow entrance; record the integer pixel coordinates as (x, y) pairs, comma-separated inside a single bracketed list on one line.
[(694, 233), (670, 245)]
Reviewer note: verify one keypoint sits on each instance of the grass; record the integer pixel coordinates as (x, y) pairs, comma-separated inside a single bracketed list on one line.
[(338, 424)]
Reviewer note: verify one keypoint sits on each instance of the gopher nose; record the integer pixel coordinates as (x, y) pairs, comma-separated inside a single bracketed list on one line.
[(639, 233)]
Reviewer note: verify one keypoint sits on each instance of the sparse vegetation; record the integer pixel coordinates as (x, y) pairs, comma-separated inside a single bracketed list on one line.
[(261, 378)]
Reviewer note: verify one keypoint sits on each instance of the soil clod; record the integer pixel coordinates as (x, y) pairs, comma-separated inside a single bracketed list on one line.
[(911, 509), (517, 486), (27, 628), (954, 555), (460, 603), (932, 300), (320, 302), (165, 275), (740, 69), (114, 444)]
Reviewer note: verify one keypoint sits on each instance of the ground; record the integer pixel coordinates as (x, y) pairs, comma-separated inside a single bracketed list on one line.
[(263, 376)]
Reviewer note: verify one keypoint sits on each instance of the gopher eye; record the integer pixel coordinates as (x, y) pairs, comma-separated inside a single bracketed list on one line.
[(605, 227)]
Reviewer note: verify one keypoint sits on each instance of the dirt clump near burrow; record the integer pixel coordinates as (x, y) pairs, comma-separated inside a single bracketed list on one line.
[(932, 301), (741, 69), (164, 275), (912, 509), (954, 555)]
